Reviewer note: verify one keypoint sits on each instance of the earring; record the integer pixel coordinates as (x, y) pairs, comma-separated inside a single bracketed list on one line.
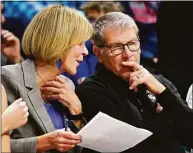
[(59, 64)]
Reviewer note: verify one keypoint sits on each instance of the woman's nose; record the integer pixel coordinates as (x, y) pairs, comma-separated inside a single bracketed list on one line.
[(85, 51)]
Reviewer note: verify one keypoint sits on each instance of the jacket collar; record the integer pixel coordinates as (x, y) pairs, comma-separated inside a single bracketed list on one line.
[(36, 103), (29, 72)]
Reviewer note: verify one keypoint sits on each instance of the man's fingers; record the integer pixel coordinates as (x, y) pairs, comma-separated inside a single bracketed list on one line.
[(136, 82), (133, 64), (135, 73)]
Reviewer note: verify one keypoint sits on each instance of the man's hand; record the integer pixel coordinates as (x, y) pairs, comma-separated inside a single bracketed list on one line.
[(10, 46), (142, 76), (61, 89)]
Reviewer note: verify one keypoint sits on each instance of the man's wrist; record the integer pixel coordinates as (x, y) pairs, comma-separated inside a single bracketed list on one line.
[(161, 89)]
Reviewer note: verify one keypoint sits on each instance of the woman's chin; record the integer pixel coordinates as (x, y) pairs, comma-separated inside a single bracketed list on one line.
[(72, 71)]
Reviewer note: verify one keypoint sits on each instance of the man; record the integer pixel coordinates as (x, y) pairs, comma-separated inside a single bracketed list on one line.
[(125, 90), (93, 11)]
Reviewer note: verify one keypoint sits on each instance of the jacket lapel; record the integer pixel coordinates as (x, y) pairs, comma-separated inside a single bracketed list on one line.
[(39, 112)]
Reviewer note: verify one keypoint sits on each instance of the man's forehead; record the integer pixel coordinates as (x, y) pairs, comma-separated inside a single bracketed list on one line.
[(118, 34)]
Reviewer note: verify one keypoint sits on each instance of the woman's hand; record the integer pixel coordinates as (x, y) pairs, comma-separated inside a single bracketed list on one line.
[(60, 139), (63, 91), (15, 115)]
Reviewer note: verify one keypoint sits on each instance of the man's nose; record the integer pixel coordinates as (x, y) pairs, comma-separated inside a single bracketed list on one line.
[(126, 52)]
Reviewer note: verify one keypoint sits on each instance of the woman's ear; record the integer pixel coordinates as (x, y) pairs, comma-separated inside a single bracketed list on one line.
[(97, 51)]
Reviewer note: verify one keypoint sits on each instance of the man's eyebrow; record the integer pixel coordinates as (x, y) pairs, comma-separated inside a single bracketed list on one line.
[(118, 42)]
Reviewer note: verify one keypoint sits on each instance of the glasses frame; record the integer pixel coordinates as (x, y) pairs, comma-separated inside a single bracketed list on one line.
[(123, 45)]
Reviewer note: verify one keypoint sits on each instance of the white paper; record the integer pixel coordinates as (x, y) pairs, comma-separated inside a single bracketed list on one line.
[(106, 134)]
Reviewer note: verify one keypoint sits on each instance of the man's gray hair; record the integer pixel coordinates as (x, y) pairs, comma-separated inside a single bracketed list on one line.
[(111, 20)]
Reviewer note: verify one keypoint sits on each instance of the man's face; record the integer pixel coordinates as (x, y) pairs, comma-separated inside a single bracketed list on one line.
[(114, 62), (93, 15)]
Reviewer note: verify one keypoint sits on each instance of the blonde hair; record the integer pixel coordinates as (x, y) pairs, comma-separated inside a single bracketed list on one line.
[(53, 31)]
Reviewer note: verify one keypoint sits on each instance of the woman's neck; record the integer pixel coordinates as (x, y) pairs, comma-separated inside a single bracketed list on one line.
[(45, 72)]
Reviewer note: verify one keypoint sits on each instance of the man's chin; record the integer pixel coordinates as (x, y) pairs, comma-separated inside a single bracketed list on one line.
[(125, 76)]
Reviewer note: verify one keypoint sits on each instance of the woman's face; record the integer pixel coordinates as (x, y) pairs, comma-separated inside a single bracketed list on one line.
[(73, 58)]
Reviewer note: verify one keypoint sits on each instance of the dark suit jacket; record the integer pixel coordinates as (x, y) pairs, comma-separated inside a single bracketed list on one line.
[(106, 92), (20, 81)]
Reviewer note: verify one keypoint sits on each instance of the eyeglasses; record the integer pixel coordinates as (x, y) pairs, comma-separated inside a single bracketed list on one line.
[(118, 48)]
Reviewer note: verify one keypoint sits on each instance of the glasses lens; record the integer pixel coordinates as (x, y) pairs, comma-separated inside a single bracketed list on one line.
[(117, 49), (134, 45)]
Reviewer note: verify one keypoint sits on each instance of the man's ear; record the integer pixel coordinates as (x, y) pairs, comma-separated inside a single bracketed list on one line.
[(97, 51)]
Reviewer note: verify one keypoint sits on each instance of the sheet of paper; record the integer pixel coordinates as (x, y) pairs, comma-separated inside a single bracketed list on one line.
[(106, 134)]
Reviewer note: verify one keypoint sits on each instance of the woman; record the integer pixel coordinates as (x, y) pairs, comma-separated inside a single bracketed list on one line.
[(17, 110), (55, 36)]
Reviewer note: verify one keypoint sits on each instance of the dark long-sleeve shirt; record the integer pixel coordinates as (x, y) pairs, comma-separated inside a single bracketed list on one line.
[(106, 92)]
